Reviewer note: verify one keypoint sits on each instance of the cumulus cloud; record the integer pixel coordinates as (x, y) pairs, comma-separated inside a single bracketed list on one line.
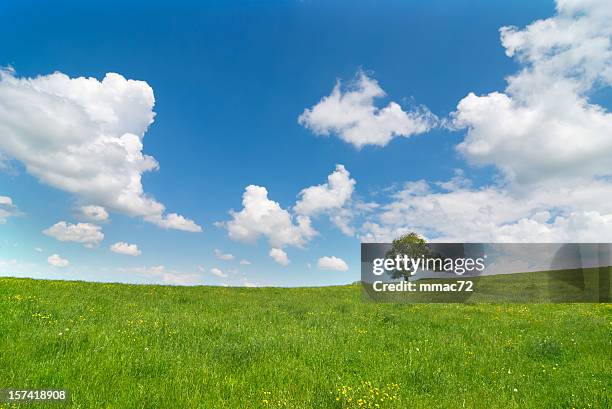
[(90, 235), (262, 217), (279, 256), (332, 263), (223, 256), (218, 272), (331, 195), (332, 198), (245, 262), (93, 213), (374, 232), (125, 248), (85, 136), (174, 221), (543, 128), (335, 200), (56, 261), (352, 116), (327, 196), (7, 209), (495, 214), (544, 133), (550, 142)]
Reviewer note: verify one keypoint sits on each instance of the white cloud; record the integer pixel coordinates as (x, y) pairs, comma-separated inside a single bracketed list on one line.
[(279, 256), (38, 249), (496, 214), (549, 140), (223, 256), (90, 235), (450, 216), (352, 116), (373, 232), (328, 196), (218, 272), (7, 209), (125, 248), (245, 262), (174, 221), (331, 195), (332, 263), (261, 216), (543, 126), (333, 198), (93, 213), (56, 261), (342, 219), (85, 137)]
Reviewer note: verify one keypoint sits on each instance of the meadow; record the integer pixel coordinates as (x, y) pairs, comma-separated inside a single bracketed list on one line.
[(136, 346)]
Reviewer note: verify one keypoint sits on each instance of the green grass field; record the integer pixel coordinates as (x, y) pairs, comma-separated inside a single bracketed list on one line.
[(128, 346)]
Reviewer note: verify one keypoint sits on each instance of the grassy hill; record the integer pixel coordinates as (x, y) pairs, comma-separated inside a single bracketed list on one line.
[(128, 346)]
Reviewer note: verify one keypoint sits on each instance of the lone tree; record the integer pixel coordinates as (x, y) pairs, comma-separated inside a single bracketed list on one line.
[(411, 245)]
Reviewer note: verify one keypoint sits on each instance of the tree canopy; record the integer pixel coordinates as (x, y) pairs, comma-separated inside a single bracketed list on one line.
[(411, 245)]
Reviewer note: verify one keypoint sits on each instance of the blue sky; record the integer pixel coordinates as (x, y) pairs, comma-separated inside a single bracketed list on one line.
[(230, 82)]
